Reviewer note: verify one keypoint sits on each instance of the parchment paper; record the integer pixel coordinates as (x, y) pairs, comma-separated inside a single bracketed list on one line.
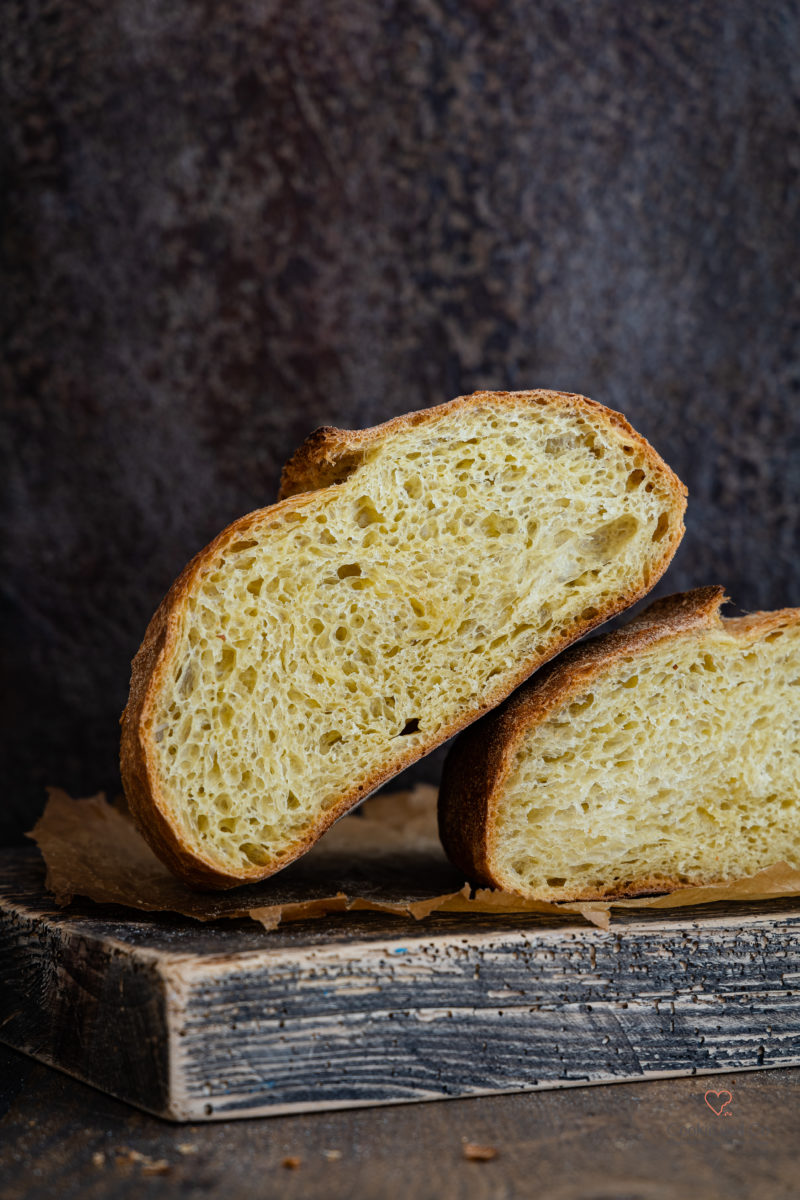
[(385, 859)]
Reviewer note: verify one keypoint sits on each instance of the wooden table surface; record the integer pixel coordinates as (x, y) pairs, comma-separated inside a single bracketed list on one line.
[(656, 1140)]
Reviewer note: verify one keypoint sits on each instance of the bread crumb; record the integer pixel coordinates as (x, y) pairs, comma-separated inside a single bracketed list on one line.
[(291, 1163), (158, 1166), (98, 1158), (125, 1157), (332, 1155), (186, 1148), (474, 1153)]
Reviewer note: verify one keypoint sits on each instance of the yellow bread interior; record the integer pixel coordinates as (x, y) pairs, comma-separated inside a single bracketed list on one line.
[(676, 765), (327, 641)]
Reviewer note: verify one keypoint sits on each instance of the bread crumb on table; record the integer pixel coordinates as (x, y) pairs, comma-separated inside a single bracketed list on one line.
[(125, 1157), (475, 1153), (158, 1166)]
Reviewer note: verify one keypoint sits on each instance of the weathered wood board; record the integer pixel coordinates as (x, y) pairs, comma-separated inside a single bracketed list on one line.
[(204, 1022)]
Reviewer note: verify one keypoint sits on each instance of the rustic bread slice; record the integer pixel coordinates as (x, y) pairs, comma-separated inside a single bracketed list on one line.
[(317, 647), (662, 755)]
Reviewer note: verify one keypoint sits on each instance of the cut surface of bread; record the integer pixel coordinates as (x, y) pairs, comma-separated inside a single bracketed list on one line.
[(410, 577), (663, 755)]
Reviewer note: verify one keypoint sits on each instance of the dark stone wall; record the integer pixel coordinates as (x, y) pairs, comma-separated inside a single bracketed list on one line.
[(225, 224)]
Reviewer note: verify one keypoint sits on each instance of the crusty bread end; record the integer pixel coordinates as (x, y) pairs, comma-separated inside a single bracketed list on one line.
[(659, 756)]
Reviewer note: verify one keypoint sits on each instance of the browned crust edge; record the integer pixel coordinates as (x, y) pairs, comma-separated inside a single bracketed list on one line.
[(327, 457), (478, 764)]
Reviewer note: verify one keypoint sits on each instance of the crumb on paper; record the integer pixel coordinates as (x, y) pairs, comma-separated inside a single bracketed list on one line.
[(475, 1153), (291, 1162), (332, 1155), (186, 1148)]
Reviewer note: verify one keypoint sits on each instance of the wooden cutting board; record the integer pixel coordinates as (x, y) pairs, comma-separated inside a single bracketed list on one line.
[(209, 1021)]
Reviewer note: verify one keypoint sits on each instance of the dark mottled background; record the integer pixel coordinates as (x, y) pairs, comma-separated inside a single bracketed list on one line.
[(224, 224)]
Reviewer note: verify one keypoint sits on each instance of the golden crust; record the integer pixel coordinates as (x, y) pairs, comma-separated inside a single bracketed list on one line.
[(326, 458), (480, 760), (329, 455)]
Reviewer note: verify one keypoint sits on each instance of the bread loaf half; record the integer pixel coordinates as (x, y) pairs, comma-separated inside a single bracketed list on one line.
[(411, 576), (663, 755)]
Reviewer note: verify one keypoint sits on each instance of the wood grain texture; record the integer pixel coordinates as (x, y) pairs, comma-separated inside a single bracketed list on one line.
[(645, 1141), (205, 1023), (654, 1140)]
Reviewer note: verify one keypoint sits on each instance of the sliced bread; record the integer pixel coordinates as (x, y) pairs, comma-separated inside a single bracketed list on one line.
[(411, 576), (662, 755)]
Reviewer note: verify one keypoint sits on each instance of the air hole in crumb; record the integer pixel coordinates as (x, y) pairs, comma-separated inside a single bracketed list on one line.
[(256, 854), (634, 479), (226, 662), (248, 679), (186, 682), (559, 444), (661, 528), (612, 537), (555, 881), (367, 513), (411, 726), (348, 570)]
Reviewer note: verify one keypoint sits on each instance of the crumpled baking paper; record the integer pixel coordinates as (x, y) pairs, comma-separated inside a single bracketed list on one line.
[(387, 858)]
